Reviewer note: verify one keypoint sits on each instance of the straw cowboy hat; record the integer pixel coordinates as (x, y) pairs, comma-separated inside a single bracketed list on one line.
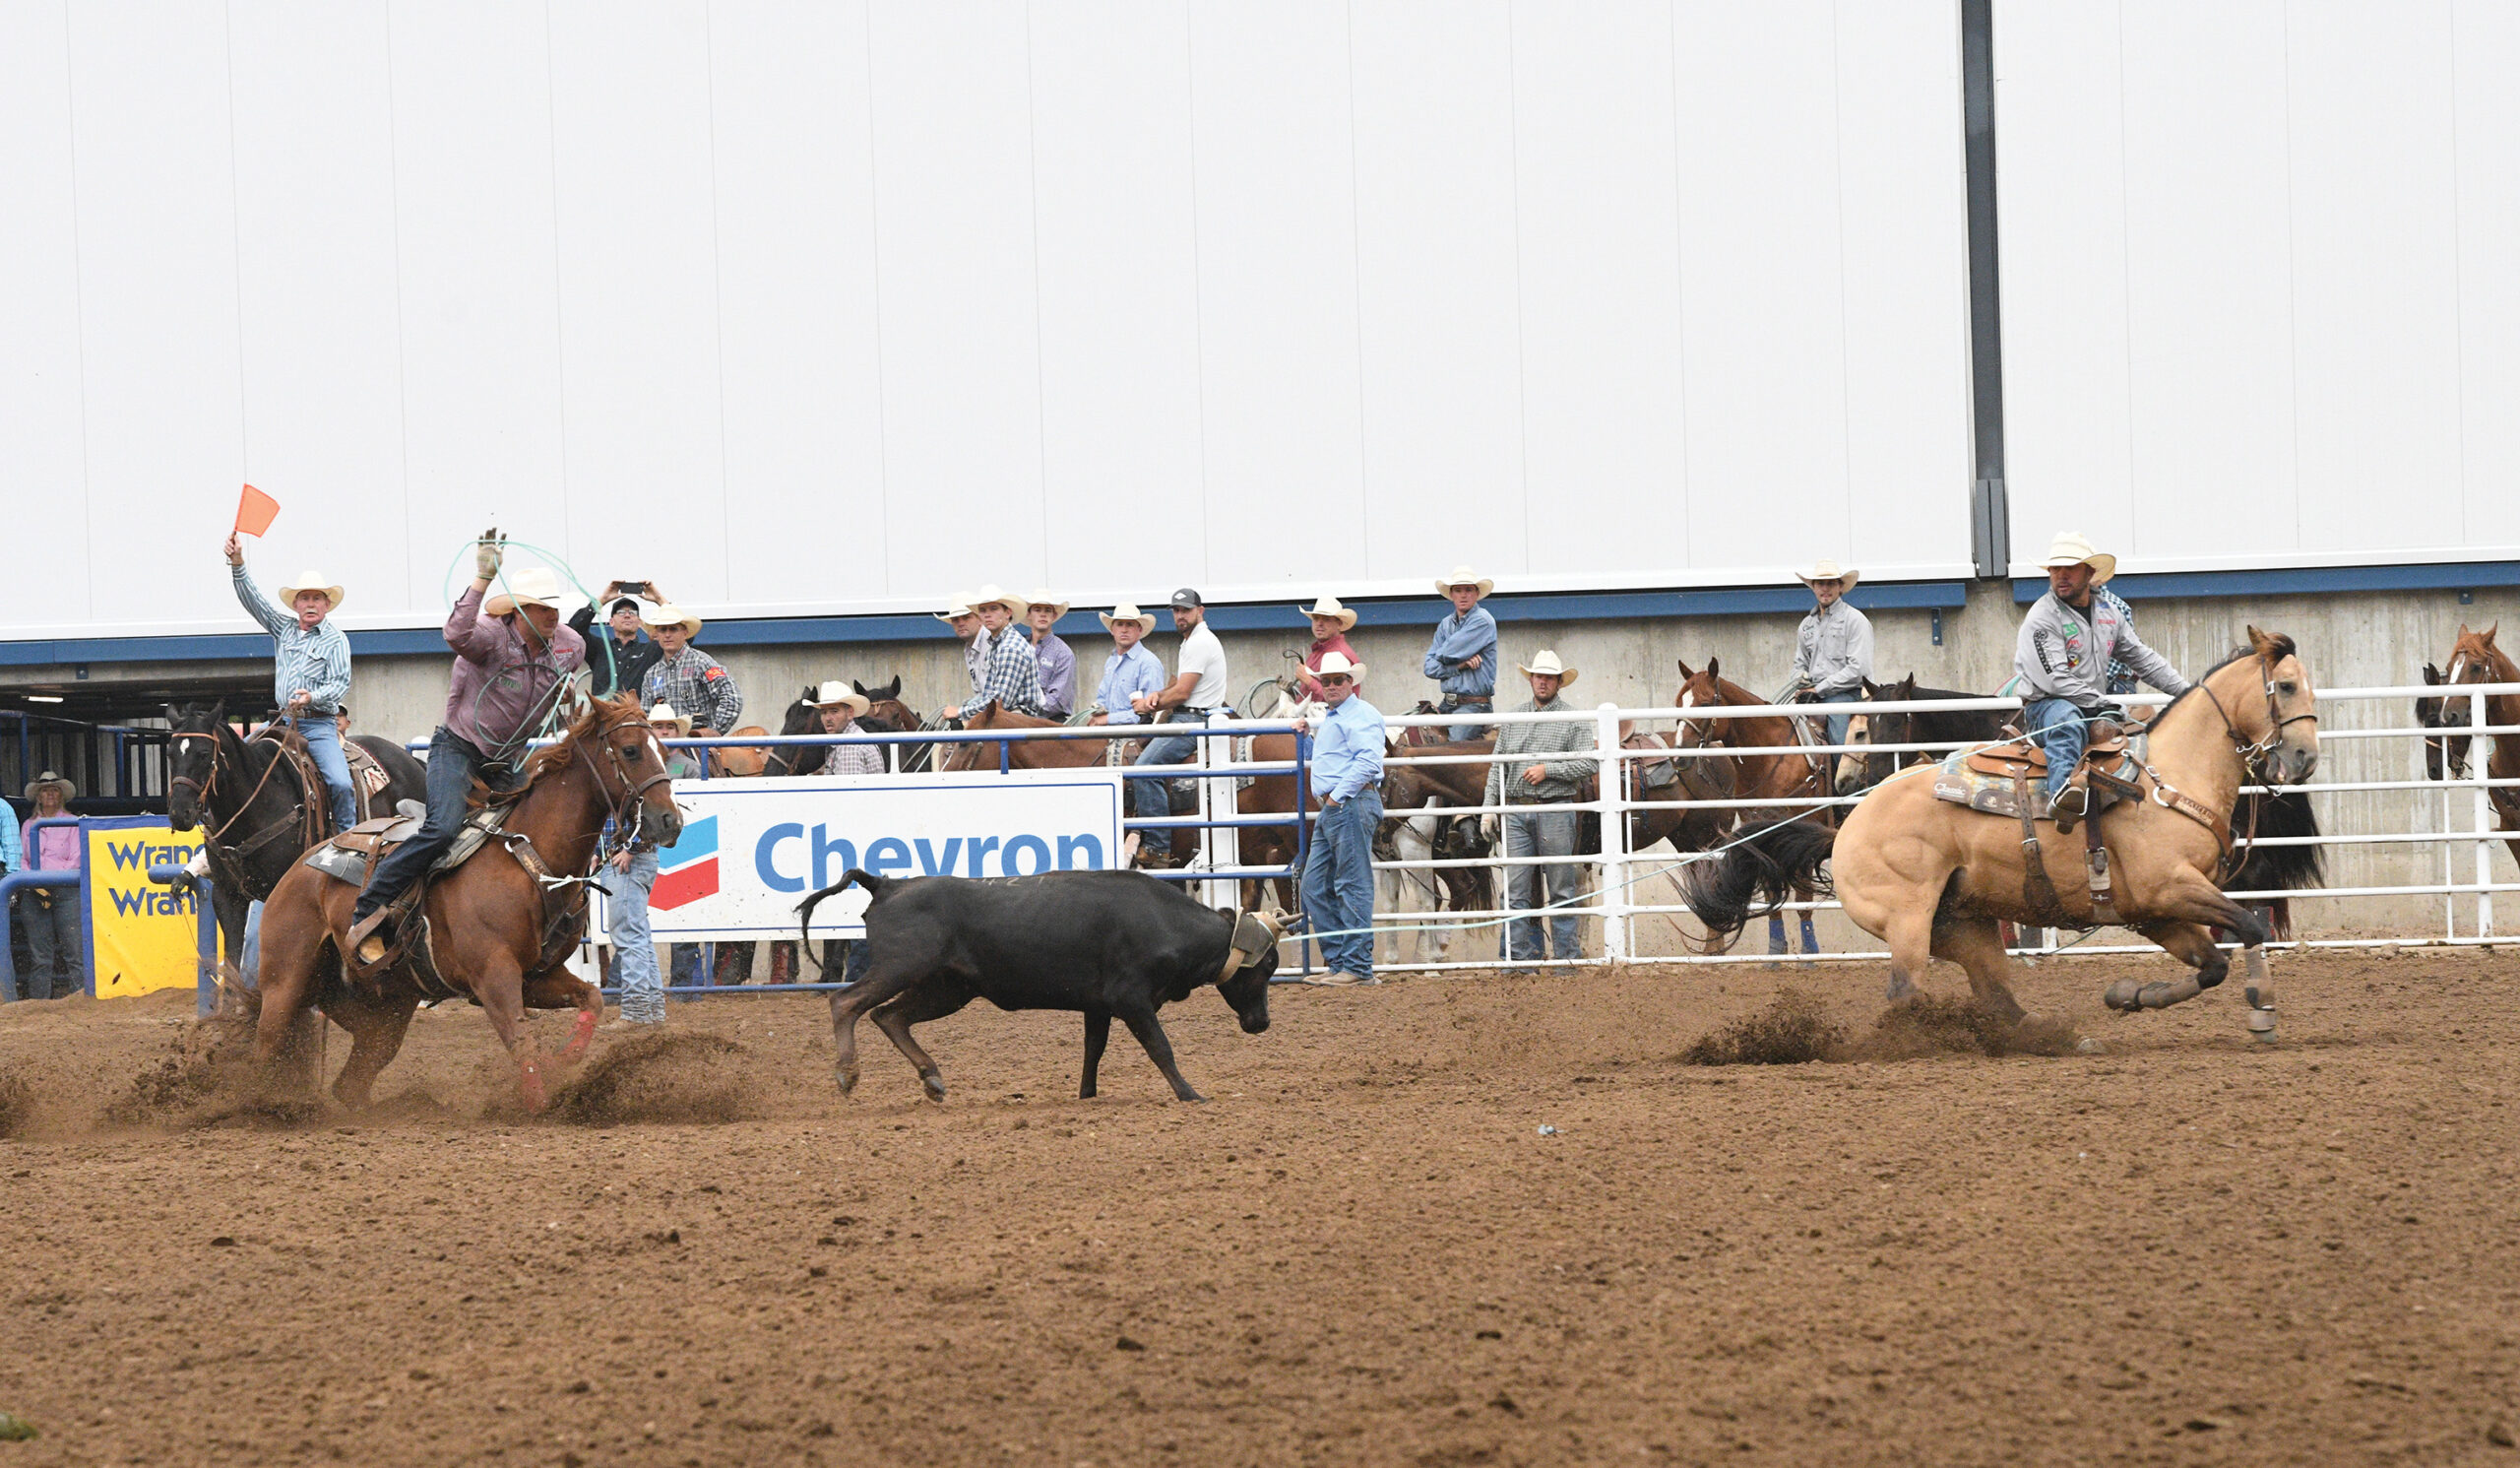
[(311, 581), (1044, 598), (527, 586), (2073, 548), (668, 615), (1339, 663), (1825, 569), (960, 607), (664, 714), (990, 595), (1545, 663), (837, 694), (1329, 607), (69, 792), (1465, 576), (1127, 612)]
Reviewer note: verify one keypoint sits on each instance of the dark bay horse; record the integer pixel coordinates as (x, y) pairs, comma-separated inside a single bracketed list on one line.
[(1415, 788), (1862, 772), (1798, 780), (887, 714), (250, 799), (2473, 658), (499, 931)]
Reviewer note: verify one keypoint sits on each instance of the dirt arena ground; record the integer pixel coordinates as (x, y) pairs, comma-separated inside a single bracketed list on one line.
[(1365, 1249)]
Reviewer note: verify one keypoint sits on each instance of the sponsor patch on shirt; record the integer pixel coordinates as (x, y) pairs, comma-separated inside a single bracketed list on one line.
[(712, 674)]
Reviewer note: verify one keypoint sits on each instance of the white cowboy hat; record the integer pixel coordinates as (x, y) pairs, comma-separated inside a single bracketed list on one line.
[(311, 581), (69, 790), (1127, 612), (1825, 569), (990, 595), (1465, 576), (2073, 548), (525, 586), (1545, 663), (1329, 607), (668, 615), (1044, 598), (664, 714), (958, 609), (1338, 662), (835, 693)]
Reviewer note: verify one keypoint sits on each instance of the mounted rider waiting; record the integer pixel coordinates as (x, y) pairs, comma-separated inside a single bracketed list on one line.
[(1052, 654), (311, 671), (1199, 689), (1330, 626), (1833, 648), (2062, 656), (513, 662), (1463, 657), (1001, 658)]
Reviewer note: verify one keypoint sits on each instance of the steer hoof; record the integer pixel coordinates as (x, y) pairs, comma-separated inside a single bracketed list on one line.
[(847, 1079), (933, 1083)]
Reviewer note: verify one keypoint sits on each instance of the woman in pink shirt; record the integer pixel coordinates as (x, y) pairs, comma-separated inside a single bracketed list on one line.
[(1330, 624)]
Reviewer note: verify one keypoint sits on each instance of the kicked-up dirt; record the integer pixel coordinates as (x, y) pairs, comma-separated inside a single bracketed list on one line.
[(1461, 1220)]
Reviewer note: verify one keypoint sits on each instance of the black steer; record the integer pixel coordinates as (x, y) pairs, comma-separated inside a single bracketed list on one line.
[(1104, 943)]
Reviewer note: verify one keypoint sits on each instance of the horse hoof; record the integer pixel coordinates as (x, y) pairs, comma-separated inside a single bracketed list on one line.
[(2124, 997), (933, 1085), (848, 1080), (1900, 987)]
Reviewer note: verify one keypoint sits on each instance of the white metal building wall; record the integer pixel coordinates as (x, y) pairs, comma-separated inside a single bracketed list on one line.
[(836, 307)]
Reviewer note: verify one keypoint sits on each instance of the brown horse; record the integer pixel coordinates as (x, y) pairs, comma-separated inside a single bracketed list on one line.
[(1934, 878), (1799, 780), (1027, 754), (1413, 789), (2473, 658), (498, 930)]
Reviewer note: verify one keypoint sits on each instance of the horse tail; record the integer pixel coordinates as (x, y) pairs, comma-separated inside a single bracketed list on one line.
[(1760, 871), (879, 886)]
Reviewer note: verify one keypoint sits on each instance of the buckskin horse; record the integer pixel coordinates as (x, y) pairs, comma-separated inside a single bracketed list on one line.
[(499, 925), (1932, 878), (2473, 658), (259, 803)]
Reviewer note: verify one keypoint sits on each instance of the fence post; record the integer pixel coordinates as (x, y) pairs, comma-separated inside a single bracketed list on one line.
[(2483, 816), (1612, 780)]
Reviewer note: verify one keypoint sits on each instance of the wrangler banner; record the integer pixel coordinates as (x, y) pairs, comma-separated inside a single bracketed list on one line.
[(140, 937)]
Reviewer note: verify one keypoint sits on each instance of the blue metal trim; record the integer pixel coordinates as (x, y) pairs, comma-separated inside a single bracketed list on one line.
[(1415, 612), (2297, 581)]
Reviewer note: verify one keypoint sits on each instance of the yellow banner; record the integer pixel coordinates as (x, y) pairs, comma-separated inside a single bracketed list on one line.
[(140, 937)]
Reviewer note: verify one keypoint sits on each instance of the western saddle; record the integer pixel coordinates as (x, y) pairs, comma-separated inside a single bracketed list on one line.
[(2010, 778)]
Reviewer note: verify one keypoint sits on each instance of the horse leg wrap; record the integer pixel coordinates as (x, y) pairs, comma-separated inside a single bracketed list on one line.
[(530, 1081), (2127, 996), (579, 1036), (2261, 998)]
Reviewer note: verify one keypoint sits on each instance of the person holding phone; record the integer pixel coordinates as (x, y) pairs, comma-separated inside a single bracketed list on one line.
[(618, 664)]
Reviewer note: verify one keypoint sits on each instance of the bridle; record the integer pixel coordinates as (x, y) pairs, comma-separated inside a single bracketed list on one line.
[(2253, 752), (203, 789), (633, 788)]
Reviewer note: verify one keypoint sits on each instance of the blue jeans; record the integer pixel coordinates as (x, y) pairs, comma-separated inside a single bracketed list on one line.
[(453, 764), (1338, 883), (1549, 835), (323, 735), (1150, 799), (2058, 728), (1458, 732), (634, 948), (250, 956), (57, 958), (1837, 723)]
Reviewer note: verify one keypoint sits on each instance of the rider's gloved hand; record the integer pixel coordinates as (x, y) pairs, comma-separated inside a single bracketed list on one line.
[(485, 556)]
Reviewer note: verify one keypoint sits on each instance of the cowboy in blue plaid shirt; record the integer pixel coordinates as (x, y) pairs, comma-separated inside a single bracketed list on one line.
[(1010, 671)]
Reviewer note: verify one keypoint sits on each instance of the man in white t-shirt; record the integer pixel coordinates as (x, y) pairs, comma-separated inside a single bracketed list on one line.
[(1198, 691)]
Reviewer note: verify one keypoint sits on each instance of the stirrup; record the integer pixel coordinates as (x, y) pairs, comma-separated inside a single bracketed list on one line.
[(2069, 807)]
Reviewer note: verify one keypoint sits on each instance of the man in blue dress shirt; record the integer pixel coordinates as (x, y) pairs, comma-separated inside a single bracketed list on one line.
[(1346, 782)]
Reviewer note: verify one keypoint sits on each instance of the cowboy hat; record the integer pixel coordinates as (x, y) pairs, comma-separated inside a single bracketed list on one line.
[(1825, 569), (1338, 662), (1127, 612), (1044, 598), (1465, 576), (670, 615), (1329, 607), (835, 693), (311, 581), (1545, 663), (525, 586), (990, 595), (69, 792), (664, 714), (958, 609), (2073, 548)]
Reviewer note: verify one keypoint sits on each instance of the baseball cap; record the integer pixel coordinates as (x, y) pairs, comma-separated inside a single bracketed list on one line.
[(1187, 598), (627, 603)]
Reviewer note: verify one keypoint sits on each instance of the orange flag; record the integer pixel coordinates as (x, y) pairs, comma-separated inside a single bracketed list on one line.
[(255, 512)]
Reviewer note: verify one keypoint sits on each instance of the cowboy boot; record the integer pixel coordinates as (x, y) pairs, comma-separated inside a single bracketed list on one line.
[(2068, 809), (364, 946)]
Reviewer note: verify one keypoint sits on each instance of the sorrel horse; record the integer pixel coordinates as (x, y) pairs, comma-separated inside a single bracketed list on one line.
[(250, 799), (1934, 878), (500, 926), (2473, 658), (1797, 779)]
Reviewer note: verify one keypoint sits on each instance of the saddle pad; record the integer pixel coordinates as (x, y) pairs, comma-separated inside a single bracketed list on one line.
[(342, 863), (364, 767), (1961, 780), (339, 864)]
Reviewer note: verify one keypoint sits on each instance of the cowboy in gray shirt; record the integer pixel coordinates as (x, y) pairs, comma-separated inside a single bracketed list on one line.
[(1833, 648), (2062, 656), (1524, 775)]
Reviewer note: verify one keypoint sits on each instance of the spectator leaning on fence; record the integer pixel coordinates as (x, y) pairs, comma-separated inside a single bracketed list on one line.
[(1544, 770), (1346, 782), (695, 683), (1330, 624), (840, 707), (618, 661), (1131, 675), (311, 670), (1051, 654), (51, 918), (1833, 648), (1200, 688), (1463, 657)]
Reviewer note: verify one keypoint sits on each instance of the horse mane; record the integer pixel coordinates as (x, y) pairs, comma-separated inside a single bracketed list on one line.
[(553, 757), (2280, 648)]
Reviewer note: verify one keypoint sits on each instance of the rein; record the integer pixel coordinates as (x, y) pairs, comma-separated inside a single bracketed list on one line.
[(203, 789), (2252, 753)]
